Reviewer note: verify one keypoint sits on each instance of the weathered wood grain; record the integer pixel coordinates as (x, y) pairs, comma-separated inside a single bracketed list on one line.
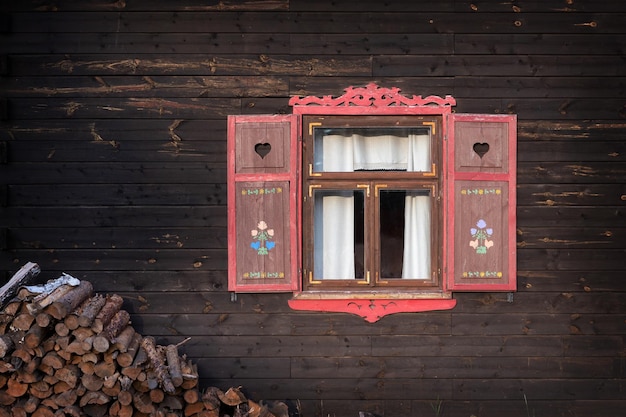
[(190, 64)]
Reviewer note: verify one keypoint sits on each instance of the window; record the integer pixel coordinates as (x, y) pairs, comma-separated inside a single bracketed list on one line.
[(371, 203), (371, 206)]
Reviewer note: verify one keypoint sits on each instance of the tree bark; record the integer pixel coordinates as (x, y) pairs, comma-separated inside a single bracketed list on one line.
[(8, 290)]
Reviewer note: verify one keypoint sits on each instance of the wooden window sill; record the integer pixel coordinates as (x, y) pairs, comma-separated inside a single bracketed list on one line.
[(371, 306)]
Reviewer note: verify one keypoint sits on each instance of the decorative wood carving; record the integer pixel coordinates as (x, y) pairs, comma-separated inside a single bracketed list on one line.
[(373, 310), (373, 95)]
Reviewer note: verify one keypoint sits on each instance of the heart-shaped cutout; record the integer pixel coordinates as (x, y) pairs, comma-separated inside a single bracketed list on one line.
[(481, 149), (262, 149)]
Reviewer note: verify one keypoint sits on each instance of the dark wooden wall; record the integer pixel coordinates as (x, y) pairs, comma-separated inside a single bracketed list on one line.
[(112, 169)]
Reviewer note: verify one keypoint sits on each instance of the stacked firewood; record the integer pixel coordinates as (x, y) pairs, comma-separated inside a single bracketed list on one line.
[(65, 351)]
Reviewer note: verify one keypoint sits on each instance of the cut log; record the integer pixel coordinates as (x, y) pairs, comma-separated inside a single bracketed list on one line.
[(94, 397), (90, 310), (16, 388), (23, 321), (124, 339), (35, 336), (117, 323), (70, 301), (142, 403), (8, 290), (112, 305), (6, 345), (158, 366), (44, 299), (173, 365), (43, 411)]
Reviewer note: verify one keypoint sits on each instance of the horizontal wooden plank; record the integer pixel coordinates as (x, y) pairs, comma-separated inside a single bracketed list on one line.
[(115, 42), (172, 131), (400, 346), (117, 237), (516, 407), (497, 65), (245, 367), (190, 64), (103, 216), (272, 346), (563, 151), (99, 149), (386, 368), (576, 131), (582, 303), (404, 21), (116, 172), (134, 280), (118, 195), (133, 108), (535, 87), (512, 324), (534, 44), (149, 5), (568, 237), (77, 260), (554, 6), (571, 259), (570, 216), (145, 86), (551, 195), (537, 389), (538, 109), (347, 390), (583, 172), (371, 43), (569, 281), (350, 389)]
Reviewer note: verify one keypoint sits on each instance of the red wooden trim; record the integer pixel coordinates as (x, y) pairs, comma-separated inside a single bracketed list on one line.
[(372, 310), (372, 99), (232, 230)]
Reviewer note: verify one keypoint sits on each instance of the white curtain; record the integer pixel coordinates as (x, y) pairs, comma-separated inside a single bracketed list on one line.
[(416, 256), (334, 213)]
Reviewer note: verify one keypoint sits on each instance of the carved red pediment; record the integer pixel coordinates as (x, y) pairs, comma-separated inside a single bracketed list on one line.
[(373, 96)]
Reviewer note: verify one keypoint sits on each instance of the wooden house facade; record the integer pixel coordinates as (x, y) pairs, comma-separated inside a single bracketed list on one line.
[(114, 169)]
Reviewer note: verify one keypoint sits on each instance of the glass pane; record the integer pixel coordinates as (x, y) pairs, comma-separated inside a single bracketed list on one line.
[(405, 234), (372, 149), (338, 234)]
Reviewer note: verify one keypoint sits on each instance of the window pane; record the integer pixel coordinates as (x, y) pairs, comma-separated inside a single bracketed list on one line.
[(338, 234), (405, 234), (371, 149)]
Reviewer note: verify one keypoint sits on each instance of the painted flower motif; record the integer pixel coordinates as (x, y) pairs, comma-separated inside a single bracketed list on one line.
[(262, 235), (481, 234)]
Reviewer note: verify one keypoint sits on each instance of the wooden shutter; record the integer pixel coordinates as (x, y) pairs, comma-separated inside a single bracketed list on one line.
[(262, 203), (480, 211)]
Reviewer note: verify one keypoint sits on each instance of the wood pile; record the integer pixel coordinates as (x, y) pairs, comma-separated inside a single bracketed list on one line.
[(65, 351)]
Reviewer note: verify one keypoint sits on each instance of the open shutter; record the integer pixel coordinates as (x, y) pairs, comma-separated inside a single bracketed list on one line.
[(480, 212), (262, 203)]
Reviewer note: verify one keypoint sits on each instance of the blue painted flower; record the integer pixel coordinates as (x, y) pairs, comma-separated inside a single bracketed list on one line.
[(481, 224)]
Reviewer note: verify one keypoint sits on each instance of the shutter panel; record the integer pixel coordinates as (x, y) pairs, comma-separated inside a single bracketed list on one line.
[(481, 194), (262, 203)]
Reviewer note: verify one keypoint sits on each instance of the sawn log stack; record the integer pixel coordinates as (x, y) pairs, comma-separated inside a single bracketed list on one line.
[(66, 351)]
